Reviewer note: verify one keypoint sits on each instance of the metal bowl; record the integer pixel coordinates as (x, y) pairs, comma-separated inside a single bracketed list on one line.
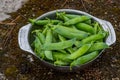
[(25, 39)]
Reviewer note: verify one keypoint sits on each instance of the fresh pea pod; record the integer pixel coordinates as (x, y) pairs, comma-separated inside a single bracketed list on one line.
[(71, 16), (43, 22), (98, 46), (82, 50), (88, 22), (44, 32), (59, 45), (69, 32), (60, 63), (78, 43), (84, 59), (94, 37), (60, 27), (48, 40), (68, 49), (38, 48), (61, 56), (62, 16), (76, 20), (40, 36), (85, 27), (96, 25)]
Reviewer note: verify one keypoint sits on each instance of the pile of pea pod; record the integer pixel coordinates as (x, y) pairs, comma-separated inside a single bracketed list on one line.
[(68, 39)]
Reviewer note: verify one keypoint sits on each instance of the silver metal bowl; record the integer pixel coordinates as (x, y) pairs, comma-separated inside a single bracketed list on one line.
[(24, 38)]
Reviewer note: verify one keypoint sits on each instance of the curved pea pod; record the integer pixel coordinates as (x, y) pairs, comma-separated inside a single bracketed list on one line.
[(69, 32), (59, 45), (68, 49), (98, 46), (76, 20), (61, 28), (88, 22), (38, 47), (40, 36), (84, 59), (62, 16), (85, 27), (48, 40), (94, 37), (39, 22), (60, 63), (61, 56), (70, 16), (48, 55), (95, 25), (82, 50), (43, 22), (44, 32)]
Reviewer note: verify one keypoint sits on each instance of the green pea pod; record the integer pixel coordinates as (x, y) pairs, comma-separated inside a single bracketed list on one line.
[(38, 48), (76, 20), (94, 37), (85, 27), (71, 16), (69, 32), (82, 50), (84, 59), (68, 49), (88, 22), (41, 37), (78, 44), (60, 63), (59, 45), (61, 28), (95, 24), (48, 40), (39, 22), (62, 50), (37, 44), (42, 54), (98, 46), (62, 16), (44, 32), (43, 22), (48, 55), (61, 56)]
